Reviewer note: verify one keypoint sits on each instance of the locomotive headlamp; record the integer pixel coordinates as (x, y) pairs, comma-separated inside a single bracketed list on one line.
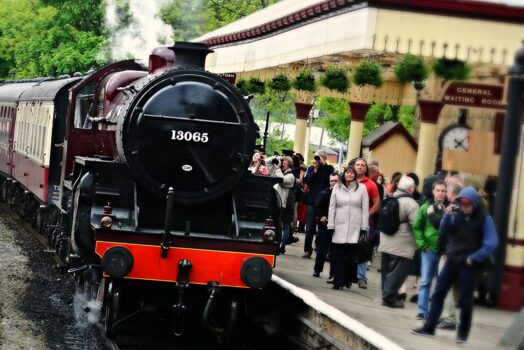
[(106, 222), (255, 272), (268, 232), (117, 262)]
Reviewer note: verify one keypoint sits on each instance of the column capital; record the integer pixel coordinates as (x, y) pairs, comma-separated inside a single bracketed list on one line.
[(430, 110), (359, 110), (303, 110)]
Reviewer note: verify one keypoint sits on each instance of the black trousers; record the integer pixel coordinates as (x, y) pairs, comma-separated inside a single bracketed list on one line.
[(344, 265), (394, 270), (323, 241)]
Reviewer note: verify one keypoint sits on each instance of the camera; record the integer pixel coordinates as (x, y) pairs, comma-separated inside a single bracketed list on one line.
[(456, 208), (317, 158)]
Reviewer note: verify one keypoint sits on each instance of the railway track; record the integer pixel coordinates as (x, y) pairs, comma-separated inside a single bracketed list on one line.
[(289, 321)]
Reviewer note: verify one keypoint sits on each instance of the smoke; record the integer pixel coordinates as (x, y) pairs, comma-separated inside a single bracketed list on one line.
[(85, 310), (136, 28)]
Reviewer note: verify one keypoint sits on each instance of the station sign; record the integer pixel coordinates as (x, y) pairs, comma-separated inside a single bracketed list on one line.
[(231, 78), (475, 95)]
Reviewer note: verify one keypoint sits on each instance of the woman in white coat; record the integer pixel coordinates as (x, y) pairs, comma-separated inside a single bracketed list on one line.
[(348, 216)]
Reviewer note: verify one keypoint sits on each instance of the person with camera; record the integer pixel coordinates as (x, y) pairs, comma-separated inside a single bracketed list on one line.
[(317, 179), (282, 166), (471, 238), (426, 229)]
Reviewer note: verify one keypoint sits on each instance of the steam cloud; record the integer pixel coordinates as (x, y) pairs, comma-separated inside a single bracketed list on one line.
[(144, 32)]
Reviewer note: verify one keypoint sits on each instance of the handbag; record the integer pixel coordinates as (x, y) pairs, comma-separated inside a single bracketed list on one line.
[(364, 248)]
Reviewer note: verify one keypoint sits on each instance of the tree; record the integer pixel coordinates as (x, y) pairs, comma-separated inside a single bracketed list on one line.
[(49, 37), (276, 142), (336, 120), (191, 19)]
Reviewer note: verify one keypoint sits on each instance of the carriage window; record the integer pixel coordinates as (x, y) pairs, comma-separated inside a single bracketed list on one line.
[(84, 108)]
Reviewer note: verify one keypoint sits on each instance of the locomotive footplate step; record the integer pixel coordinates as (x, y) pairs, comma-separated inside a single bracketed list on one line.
[(180, 309)]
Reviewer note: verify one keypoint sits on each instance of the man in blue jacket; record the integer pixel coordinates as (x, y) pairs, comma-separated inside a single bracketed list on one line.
[(471, 238)]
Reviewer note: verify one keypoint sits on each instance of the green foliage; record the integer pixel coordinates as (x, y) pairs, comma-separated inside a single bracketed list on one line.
[(305, 81), (368, 73), (280, 83), (406, 116), (377, 115), (336, 79), (49, 37), (256, 86), (251, 86), (191, 19), (336, 120), (243, 87), (380, 113), (451, 69), (411, 69), (276, 142)]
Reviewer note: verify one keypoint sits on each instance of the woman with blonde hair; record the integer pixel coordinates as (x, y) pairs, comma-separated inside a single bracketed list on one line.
[(349, 218)]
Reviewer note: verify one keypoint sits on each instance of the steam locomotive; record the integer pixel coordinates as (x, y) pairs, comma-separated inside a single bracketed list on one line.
[(137, 176)]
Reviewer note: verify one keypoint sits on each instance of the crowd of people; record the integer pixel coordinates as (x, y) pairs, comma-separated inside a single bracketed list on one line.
[(444, 234)]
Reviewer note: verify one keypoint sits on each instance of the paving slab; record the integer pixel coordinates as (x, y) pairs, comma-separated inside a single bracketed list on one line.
[(364, 305)]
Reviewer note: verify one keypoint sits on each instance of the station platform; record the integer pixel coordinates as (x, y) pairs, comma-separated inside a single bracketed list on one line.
[(364, 306)]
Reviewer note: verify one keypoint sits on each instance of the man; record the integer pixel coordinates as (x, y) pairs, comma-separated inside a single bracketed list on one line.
[(471, 238), (361, 168), (324, 236), (449, 318), (426, 229), (317, 179), (398, 249)]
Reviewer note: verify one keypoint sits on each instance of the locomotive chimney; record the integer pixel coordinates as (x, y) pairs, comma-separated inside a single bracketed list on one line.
[(190, 55)]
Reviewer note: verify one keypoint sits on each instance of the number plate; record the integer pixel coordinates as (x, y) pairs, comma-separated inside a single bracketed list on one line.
[(180, 135)]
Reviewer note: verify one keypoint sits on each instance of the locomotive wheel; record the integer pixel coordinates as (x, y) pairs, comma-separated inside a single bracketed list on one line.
[(111, 301)]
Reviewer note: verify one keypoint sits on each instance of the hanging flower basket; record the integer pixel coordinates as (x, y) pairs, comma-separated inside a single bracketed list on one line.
[(305, 81), (411, 69), (280, 83), (368, 73), (256, 86), (335, 79), (243, 87), (451, 69)]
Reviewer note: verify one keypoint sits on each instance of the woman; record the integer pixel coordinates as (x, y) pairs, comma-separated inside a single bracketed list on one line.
[(348, 217), (382, 182), (257, 165)]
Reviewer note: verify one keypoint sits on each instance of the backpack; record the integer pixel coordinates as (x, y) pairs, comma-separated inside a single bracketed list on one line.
[(389, 215)]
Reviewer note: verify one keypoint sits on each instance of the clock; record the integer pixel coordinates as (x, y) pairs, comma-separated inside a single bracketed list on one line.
[(454, 137)]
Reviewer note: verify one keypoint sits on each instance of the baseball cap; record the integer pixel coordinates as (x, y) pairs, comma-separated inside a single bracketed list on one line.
[(466, 201)]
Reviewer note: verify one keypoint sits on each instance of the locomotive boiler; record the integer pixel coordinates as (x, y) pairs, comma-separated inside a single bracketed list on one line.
[(138, 178)]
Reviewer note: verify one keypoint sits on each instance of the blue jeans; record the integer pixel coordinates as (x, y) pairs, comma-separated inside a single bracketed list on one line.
[(464, 275), (429, 265), (361, 271), (286, 228), (311, 228)]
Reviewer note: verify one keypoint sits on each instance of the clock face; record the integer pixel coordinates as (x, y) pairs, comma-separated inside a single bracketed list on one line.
[(456, 138)]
